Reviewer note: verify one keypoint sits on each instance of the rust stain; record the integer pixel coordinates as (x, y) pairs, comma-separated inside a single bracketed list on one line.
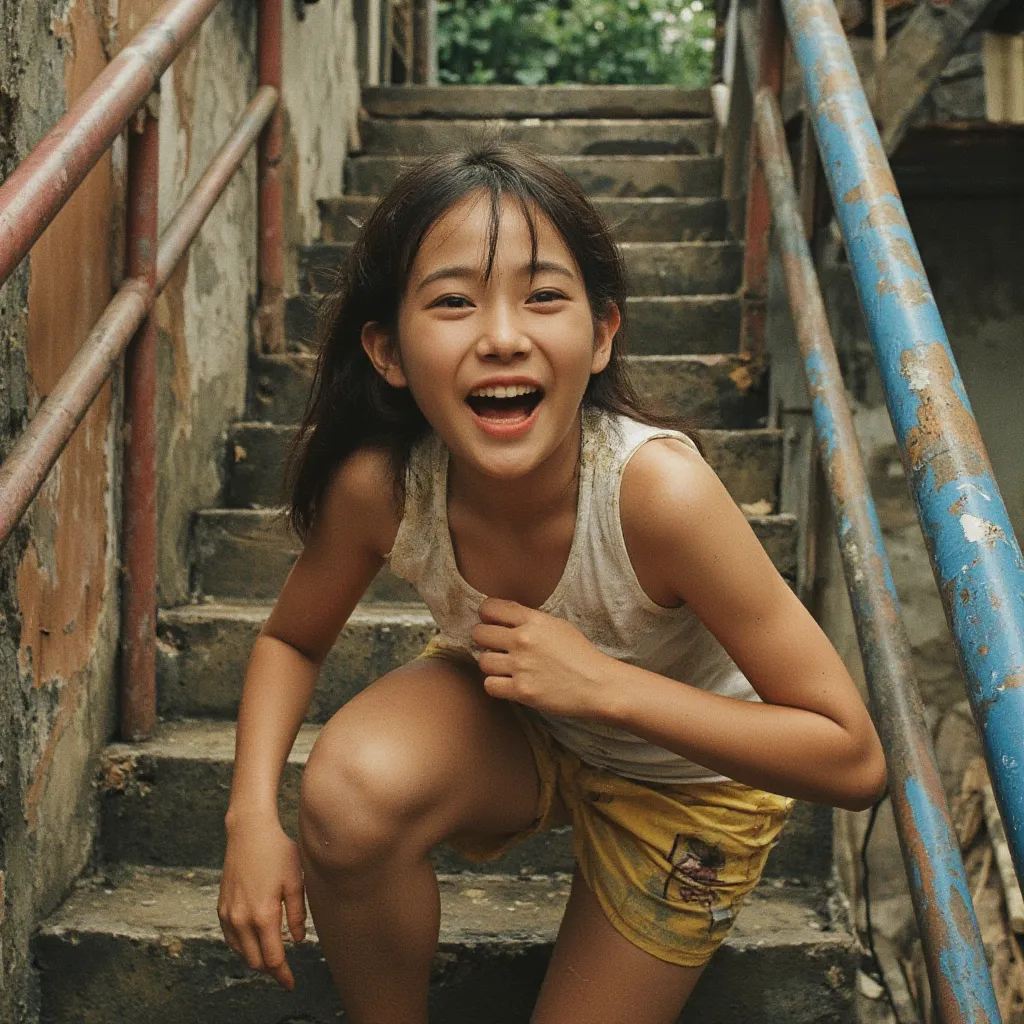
[(910, 291), (906, 254), (743, 378), (946, 437), (983, 650), (959, 506), (1014, 681), (170, 317), (883, 215), (62, 582), (965, 596), (996, 601)]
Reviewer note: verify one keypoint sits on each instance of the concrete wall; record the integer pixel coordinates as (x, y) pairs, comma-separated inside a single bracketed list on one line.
[(59, 585)]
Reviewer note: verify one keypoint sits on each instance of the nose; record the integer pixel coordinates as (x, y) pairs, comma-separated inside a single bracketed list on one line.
[(502, 337)]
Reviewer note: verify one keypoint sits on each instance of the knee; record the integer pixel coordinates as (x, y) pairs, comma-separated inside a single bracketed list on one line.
[(361, 804)]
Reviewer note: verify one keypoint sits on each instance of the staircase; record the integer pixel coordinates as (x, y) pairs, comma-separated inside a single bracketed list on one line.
[(140, 940)]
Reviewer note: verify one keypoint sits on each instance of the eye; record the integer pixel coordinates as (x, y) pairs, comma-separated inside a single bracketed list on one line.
[(546, 295), (451, 302)]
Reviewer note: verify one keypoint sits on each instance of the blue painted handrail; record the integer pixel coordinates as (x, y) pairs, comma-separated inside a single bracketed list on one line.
[(975, 556), (954, 953)]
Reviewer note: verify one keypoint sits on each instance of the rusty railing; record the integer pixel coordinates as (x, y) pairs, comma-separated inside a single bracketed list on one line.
[(123, 95), (974, 553)]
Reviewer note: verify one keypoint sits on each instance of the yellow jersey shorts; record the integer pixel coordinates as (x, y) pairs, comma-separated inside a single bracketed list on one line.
[(670, 864)]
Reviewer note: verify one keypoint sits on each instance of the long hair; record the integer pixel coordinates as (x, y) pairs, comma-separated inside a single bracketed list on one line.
[(351, 406)]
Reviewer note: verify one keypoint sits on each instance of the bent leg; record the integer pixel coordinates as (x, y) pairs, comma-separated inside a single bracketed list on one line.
[(597, 976), (422, 754)]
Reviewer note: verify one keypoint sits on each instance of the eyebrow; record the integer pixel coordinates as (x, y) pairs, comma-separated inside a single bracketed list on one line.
[(471, 273)]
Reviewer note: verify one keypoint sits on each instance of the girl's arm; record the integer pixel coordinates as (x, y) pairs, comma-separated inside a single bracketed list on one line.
[(341, 556), (688, 542)]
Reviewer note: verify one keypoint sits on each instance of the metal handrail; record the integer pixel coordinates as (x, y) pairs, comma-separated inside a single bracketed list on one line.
[(941, 896), (30, 199), (974, 554)]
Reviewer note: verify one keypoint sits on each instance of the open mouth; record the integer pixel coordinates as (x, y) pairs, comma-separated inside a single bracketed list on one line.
[(505, 405)]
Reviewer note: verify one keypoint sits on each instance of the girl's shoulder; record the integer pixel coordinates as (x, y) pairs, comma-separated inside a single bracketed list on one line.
[(362, 493)]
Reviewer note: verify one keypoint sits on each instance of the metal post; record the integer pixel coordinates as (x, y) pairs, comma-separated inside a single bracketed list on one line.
[(138, 601), (270, 310), (954, 954), (424, 44), (770, 51)]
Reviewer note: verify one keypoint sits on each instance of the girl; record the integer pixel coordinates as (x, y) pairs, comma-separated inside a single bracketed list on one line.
[(615, 648)]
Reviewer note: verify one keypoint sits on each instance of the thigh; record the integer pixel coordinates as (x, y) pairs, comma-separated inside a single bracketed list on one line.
[(597, 976), (430, 743)]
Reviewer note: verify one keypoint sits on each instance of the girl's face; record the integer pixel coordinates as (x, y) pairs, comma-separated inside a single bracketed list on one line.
[(499, 366)]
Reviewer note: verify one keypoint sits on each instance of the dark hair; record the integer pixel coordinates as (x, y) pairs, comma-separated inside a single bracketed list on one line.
[(351, 406)]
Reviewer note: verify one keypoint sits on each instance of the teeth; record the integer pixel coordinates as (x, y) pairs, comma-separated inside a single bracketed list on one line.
[(512, 391)]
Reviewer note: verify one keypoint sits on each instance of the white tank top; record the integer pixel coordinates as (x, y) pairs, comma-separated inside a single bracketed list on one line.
[(598, 593)]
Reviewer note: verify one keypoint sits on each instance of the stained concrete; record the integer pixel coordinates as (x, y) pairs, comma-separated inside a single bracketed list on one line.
[(660, 325), (60, 574), (748, 461), (152, 944), (715, 391), (519, 101), (632, 220), (653, 268), (620, 176), (552, 138)]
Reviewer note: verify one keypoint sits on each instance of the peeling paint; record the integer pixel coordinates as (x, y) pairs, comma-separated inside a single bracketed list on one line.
[(947, 437), (980, 531)]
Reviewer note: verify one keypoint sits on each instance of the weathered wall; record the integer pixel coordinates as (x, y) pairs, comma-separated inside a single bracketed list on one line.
[(59, 589)]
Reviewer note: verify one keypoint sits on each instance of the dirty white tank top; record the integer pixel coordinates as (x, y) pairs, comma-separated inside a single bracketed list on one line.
[(598, 593)]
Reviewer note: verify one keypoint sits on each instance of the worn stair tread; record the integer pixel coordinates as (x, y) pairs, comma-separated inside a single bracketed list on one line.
[(554, 101), (564, 136), (656, 219), (246, 554), (692, 268), (717, 390), (394, 613), (166, 904), (640, 176), (657, 324), (163, 802), (748, 461)]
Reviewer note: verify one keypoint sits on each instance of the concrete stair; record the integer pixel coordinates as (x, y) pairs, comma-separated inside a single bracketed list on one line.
[(139, 939)]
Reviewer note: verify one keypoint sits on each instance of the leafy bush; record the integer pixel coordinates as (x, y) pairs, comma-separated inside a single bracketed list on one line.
[(592, 42)]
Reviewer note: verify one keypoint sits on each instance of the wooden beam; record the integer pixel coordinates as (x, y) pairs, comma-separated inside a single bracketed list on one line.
[(916, 58)]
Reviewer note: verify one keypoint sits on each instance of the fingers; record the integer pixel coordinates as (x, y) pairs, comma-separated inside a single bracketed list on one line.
[(505, 613), (259, 942), (495, 663), (272, 950), (494, 638), (295, 911)]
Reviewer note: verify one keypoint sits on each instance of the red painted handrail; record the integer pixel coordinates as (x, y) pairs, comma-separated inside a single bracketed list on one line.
[(30, 199)]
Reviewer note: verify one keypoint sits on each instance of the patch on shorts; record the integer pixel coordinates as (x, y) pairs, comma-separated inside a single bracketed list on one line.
[(693, 872)]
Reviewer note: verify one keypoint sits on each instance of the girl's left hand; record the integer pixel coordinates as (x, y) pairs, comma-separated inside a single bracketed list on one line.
[(538, 660)]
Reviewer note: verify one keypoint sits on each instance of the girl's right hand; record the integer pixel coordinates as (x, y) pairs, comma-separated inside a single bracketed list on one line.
[(261, 869)]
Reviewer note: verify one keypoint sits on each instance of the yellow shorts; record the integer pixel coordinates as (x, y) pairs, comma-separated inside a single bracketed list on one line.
[(670, 864)]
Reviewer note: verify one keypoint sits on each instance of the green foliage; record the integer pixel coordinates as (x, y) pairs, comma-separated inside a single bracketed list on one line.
[(591, 42)]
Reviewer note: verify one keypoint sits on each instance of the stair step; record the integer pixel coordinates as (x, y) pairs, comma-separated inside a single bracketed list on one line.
[(203, 649), (147, 946), (246, 554), (658, 325), (714, 391), (653, 268), (748, 461), (640, 176), (578, 137), (632, 220), (163, 802), (519, 101)]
